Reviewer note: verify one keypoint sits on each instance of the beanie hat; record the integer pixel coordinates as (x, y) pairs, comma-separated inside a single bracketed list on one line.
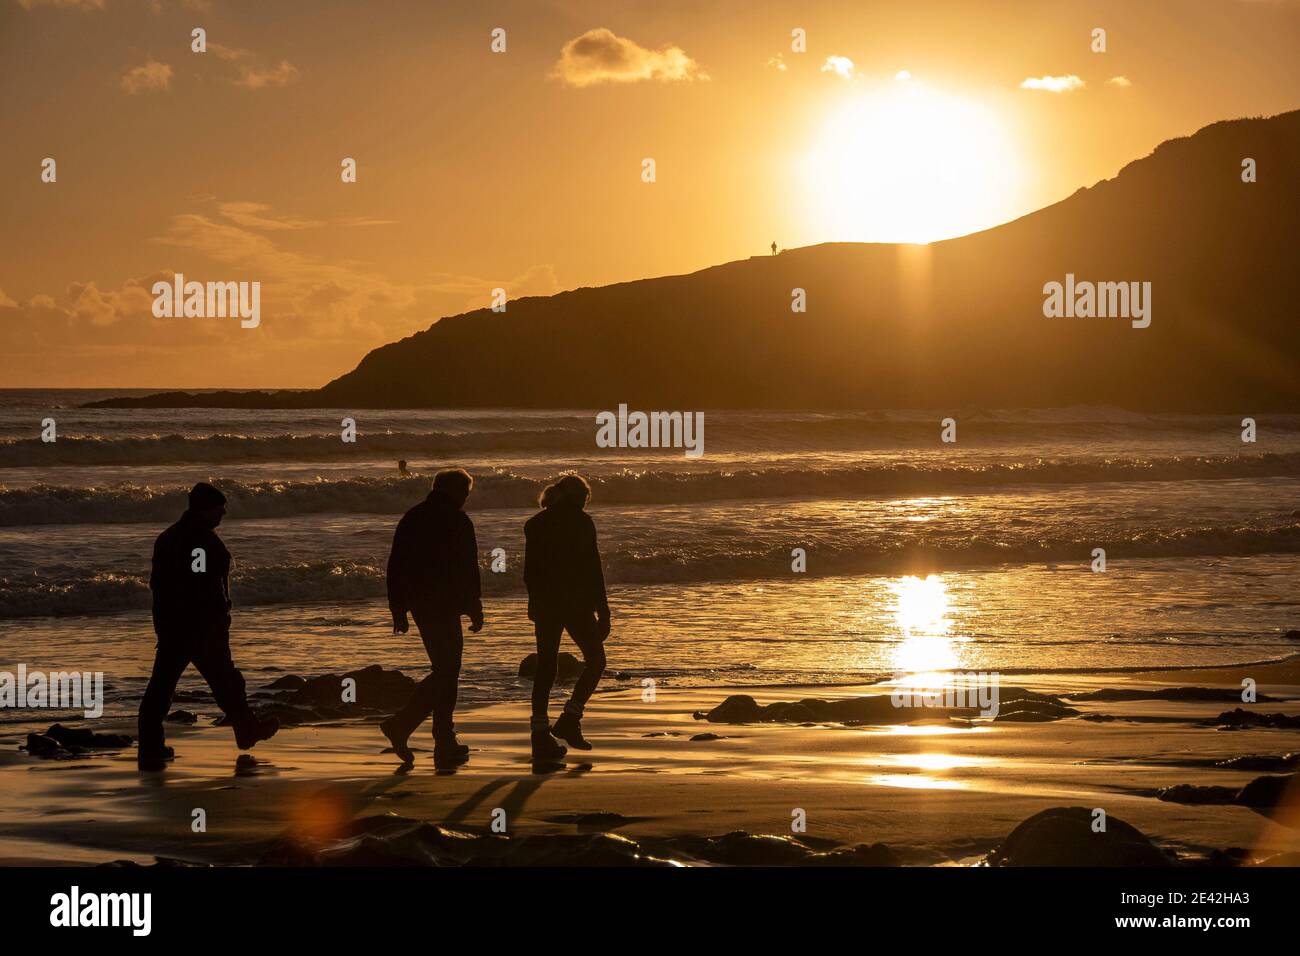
[(203, 496)]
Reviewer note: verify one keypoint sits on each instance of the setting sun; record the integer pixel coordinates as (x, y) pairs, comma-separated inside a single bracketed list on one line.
[(908, 163)]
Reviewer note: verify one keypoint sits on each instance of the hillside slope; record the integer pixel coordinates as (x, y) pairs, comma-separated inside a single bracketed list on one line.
[(956, 323)]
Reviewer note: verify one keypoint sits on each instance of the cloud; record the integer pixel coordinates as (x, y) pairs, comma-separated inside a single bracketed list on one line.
[(87, 334), (156, 6), (84, 315), (153, 77), (841, 66), (256, 215), (252, 78), (1053, 84), (600, 56), (311, 296), (75, 4), (223, 52), (319, 315), (249, 74), (1122, 81), (199, 6)]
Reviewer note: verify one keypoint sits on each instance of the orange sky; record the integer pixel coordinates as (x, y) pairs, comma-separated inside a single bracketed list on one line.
[(523, 169)]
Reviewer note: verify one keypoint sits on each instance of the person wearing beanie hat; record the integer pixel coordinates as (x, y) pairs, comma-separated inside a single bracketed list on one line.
[(190, 582), (204, 496), (433, 576)]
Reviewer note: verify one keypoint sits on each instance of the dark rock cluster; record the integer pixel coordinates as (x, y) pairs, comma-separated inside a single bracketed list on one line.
[(302, 700), (1165, 693), (391, 840), (743, 709), (64, 742), (1015, 704), (1236, 719), (1268, 795), (1065, 836)]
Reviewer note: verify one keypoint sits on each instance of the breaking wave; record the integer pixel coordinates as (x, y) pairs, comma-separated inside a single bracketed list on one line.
[(71, 591), (132, 503)]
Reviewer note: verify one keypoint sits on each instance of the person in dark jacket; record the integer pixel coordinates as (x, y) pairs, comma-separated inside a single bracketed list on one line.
[(433, 574), (566, 592), (190, 582)]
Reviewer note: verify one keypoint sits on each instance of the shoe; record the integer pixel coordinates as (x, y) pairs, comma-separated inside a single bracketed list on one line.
[(257, 729), (449, 750), (545, 747), (569, 729), (154, 759), (398, 740)]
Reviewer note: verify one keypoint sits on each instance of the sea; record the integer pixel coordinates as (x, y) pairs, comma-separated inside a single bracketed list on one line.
[(803, 547)]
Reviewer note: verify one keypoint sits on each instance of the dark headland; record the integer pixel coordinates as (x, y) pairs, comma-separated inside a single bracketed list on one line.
[(957, 322)]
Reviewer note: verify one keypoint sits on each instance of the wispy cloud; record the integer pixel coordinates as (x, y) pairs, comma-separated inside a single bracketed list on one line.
[(152, 77), (249, 74), (247, 236), (601, 56), (70, 4), (256, 215), (1053, 84), (223, 52), (253, 78), (156, 6), (319, 314), (1119, 81)]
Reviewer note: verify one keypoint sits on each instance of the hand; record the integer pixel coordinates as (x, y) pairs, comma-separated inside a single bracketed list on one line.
[(400, 624), (475, 622), (602, 628)]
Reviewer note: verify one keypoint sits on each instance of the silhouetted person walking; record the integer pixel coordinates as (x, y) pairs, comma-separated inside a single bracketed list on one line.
[(190, 582), (566, 591), (433, 574)]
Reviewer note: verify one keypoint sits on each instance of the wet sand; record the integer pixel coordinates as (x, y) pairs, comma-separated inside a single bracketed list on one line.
[(936, 793)]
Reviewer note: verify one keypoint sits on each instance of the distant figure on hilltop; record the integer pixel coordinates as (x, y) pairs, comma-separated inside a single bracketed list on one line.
[(190, 582), (401, 468), (433, 574), (773, 248), (566, 591)]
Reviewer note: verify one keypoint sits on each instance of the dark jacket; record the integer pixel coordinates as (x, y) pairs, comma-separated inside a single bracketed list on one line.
[(562, 564), (182, 597), (434, 562)]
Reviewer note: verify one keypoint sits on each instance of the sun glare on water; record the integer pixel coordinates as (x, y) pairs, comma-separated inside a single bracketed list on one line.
[(907, 163), (921, 615)]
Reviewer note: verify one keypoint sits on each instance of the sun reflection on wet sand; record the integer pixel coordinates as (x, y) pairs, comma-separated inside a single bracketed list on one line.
[(914, 782), (923, 730), (932, 761)]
